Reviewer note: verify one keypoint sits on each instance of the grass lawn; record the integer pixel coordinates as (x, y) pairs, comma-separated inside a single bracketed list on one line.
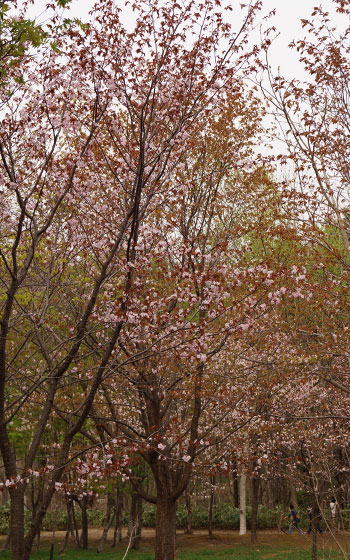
[(223, 546), (239, 553)]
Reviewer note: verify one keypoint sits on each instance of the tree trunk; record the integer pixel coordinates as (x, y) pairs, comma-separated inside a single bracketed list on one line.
[(38, 541), (17, 491), (75, 526), (314, 541), (135, 520), (189, 530), (242, 504), (314, 521), (138, 532), (84, 522), (17, 522), (293, 492), (118, 508), (254, 515), (109, 518), (235, 488), (69, 527), (165, 528), (211, 505), (132, 515)]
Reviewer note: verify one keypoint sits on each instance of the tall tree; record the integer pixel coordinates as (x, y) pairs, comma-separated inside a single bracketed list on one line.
[(89, 147)]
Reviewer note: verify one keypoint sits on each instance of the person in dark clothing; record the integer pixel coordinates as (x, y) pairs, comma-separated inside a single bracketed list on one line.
[(319, 517), (294, 520)]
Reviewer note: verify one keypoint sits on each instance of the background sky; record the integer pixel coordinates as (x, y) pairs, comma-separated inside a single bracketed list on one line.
[(282, 59), (286, 20)]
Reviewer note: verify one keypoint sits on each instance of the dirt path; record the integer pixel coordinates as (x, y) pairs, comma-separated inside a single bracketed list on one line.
[(220, 539)]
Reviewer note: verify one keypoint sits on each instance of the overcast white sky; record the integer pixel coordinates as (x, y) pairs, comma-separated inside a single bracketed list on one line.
[(287, 22)]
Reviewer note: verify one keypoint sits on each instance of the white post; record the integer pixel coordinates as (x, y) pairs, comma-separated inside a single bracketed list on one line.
[(242, 504)]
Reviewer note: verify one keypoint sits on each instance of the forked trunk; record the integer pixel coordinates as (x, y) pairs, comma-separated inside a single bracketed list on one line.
[(165, 528)]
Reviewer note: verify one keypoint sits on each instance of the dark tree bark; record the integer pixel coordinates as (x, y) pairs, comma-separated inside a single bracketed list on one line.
[(109, 518), (171, 478), (314, 533), (189, 530), (75, 526), (69, 528), (38, 541), (314, 521), (135, 520), (83, 503), (119, 503), (165, 528), (138, 531), (255, 483), (17, 521), (293, 492), (211, 505)]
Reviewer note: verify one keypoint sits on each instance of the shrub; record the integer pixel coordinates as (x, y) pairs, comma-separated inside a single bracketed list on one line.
[(345, 513), (149, 515), (4, 519), (57, 519), (225, 516)]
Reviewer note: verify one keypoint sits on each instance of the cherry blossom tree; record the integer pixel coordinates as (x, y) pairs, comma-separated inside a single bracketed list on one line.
[(90, 147), (314, 116), (173, 394)]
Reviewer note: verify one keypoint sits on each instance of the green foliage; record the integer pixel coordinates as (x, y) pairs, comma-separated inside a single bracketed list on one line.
[(54, 520), (17, 35), (5, 519), (19, 436), (57, 519), (304, 499), (149, 515), (345, 513), (225, 517)]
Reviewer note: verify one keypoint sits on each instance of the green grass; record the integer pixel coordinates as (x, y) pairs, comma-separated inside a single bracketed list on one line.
[(232, 553)]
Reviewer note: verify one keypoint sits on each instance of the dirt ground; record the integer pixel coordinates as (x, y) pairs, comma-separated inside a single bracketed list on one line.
[(220, 539)]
